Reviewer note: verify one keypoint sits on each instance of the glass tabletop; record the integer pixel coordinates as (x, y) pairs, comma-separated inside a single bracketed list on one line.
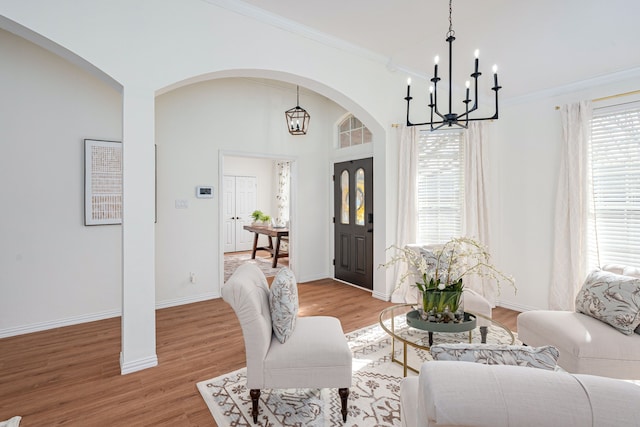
[(393, 321)]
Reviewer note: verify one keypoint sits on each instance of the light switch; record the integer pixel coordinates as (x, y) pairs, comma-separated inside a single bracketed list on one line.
[(182, 204)]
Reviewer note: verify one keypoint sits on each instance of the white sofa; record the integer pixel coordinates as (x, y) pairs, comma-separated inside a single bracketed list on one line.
[(587, 345), (455, 393)]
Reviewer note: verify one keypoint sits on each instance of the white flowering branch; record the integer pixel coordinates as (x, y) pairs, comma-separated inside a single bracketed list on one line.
[(445, 267)]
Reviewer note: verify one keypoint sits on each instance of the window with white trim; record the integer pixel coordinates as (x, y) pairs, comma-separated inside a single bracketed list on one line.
[(440, 186), (353, 132), (614, 175)]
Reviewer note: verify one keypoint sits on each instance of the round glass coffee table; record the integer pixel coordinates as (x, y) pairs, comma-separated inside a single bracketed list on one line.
[(420, 335)]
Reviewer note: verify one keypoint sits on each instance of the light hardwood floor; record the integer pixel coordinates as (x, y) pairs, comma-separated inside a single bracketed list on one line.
[(71, 376)]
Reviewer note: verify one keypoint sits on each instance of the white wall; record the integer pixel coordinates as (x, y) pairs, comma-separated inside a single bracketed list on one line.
[(192, 40), (197, 124), (525, 148), (53, 269)]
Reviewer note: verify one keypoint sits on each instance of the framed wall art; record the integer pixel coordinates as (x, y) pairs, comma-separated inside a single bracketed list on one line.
[(102, 182)]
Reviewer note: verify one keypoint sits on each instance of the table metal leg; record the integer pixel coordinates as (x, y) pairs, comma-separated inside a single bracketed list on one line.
[(404, 358)]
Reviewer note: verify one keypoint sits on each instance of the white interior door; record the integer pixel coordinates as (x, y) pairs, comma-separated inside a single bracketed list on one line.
[(246, 201), (229, 212), (239, 201)]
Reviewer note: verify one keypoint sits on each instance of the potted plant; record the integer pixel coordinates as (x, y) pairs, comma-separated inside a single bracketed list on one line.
[(442, 272), (260, 218)]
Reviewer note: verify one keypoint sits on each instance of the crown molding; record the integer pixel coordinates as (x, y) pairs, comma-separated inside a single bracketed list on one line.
[(286, 24), (579, 86)]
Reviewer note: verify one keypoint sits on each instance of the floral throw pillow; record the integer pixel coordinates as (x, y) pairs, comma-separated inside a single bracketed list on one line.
[(283, 302), (611, 298), (544, 357)]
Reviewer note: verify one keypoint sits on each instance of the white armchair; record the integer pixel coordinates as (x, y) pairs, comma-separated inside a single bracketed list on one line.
[(315, 354)]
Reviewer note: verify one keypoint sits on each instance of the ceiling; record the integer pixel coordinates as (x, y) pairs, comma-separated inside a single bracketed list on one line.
[(538, 45)]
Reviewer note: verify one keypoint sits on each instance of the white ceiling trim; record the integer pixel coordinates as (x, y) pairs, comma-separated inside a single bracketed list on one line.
[(297, 28), (576, 87)]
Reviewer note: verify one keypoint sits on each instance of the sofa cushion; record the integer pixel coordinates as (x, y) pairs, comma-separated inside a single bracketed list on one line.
[(611, 298), (544, 357), (316, 355), (283, 302), (471, 394)]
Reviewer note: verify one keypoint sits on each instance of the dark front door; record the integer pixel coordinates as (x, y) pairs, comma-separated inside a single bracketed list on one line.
[(353, 210)]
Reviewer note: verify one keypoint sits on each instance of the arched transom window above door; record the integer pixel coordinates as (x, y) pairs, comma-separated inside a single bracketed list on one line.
[(352, 132)]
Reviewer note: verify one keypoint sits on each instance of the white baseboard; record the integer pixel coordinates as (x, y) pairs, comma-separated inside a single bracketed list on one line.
[(92, 317), (58, 323), (516, 307), (137, 365), (187, 300), (383, 297)]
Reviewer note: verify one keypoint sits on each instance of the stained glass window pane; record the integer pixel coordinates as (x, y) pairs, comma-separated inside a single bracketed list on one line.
[(360, 197), (344, 185)]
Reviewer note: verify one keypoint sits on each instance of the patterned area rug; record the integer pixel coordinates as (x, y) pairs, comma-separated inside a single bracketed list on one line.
[(373, 400), (233, 260)]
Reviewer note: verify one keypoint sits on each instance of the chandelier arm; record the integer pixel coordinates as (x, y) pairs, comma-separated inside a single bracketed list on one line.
[(434, 104), (495, 116), (408, 99)]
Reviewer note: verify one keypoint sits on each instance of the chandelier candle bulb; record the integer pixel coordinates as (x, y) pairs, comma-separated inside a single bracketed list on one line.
[(467, 84), (408, 86), (495, 75), (435, 70)]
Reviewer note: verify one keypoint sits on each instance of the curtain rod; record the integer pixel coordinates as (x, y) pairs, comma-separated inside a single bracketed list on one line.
[(618, 95)]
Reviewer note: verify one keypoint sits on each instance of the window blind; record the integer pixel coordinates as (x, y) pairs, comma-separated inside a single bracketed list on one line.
[(614, 170), (440, 186)]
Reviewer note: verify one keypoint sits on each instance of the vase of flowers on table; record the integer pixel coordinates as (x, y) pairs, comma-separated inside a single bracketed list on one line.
[(440, 272)]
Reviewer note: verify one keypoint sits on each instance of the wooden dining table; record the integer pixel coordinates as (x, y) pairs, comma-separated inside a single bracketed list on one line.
[(271, 233)]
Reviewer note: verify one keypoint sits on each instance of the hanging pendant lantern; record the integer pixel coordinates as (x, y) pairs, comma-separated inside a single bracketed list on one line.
[(297, 118)]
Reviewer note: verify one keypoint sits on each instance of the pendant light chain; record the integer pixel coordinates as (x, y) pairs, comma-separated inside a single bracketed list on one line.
[(451, 32)]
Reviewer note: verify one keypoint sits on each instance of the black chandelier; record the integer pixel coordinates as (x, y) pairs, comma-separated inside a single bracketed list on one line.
[(297, 118), (453, 119)]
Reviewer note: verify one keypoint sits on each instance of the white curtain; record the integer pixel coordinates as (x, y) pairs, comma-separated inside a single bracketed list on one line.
[(283, 171), (406, 229), (476, 203), (570, 222)]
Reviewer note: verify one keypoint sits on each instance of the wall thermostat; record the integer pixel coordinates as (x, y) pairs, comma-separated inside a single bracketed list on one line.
[(204, 192)]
